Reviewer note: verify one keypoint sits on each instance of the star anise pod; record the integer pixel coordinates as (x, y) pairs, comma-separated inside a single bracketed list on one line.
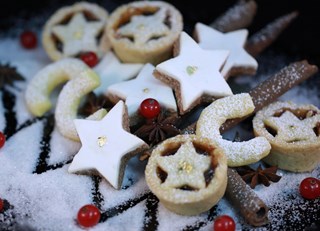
[(259, 175), (93, 103), (8, 74), (159, 128)]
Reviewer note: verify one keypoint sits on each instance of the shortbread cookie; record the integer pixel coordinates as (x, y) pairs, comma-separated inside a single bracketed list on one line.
[(107, 145), (194, 74), (38, 91), (239, 16), (134, 91), (144, 31), (214, 115), (239, 62), (293, 132), (187, 173), (76, 29), (69, 100)]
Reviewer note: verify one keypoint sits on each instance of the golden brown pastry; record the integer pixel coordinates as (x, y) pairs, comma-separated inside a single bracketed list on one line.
[(144, 31), (187, 173), (293, 132), (76, 29)]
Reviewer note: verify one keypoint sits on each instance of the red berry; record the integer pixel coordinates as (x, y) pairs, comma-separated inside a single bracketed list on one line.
[(224, 223), (149, 108), (88, 215), (2, 139), (1, 205), (90, 58), (28, 39), (310, 188)]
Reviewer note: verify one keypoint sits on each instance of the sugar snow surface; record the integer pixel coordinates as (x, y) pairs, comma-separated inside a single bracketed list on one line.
[(50, 198)]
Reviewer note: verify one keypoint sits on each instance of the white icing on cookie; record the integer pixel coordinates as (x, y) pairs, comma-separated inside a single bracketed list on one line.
[(78, 35), (106, 146), (234, 41), (197, 71), (213, 116), (143, 87), (111, 70)]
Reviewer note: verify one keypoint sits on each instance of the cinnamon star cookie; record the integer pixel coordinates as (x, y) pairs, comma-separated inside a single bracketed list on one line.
[(194, 74), (107, 145), (239, 61)]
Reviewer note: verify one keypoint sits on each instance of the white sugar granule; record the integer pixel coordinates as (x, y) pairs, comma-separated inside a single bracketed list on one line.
[(63, 148)]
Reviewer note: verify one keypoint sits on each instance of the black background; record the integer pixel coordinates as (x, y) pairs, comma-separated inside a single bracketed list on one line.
[(301, 37)]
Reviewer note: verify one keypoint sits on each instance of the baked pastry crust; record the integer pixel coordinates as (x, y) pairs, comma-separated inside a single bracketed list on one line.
[(218, 112), (98, 18), (187, 173), (144, 31), (293, 132)]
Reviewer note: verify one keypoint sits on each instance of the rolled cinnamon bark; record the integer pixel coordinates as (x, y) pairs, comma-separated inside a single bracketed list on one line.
[(259, 41), (237, 17), (275, 86), (243, 198)]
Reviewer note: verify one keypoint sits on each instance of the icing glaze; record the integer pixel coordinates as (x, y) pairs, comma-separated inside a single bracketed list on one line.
[(143, 87), (197, 71), (233, 41), (111, 70), (105, 146)]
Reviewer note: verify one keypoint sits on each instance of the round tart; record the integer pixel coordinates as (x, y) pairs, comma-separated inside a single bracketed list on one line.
[(293, 132), (76, 29), (187, 173), (144, 31)]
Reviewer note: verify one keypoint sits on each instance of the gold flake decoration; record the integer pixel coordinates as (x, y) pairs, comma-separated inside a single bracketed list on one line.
[(102, 140), (185, 167), (191, 69)]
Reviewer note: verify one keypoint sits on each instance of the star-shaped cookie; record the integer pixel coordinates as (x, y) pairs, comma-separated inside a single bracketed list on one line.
[(185, 168), (78, 35), (111, 70), (145, 28), (144, 86), (194, 73), (239, 61), (106, 145), (291, 129)]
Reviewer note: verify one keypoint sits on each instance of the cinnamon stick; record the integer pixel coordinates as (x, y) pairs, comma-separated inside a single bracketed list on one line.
[(274, 87), (243, 198)]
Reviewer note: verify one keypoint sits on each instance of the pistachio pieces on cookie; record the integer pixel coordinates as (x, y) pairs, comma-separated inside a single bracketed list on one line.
[(214, 115), (76, 29), (194, 74), (107, 145)]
